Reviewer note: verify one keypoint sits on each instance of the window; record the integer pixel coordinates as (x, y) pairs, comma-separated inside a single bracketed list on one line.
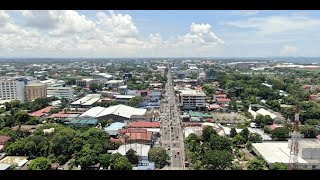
[(314, 166)]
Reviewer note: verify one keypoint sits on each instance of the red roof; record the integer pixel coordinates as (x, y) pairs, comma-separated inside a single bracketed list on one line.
[(140, 136), (41, 112), (223, 100), (4, 139), (144, 124)]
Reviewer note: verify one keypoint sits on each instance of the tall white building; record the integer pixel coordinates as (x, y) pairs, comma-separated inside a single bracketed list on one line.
[(62, 92), (192, 99), (11, 89)]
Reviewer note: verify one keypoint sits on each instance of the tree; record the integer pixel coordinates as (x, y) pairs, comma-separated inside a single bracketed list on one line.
[(279, 166), (238, 140), (280, 133), (255, 137), (132, 156), (86, 156), (267, 120), (122, 163), (135, 101), (207, 132), (159, 156), (21, 117), (220, 143), (256, 164), (309, 131), (40, 163), (105, 160), (217, 159), (267, 129), (245, 133), (94, 87), (233, 132), (113, 158)]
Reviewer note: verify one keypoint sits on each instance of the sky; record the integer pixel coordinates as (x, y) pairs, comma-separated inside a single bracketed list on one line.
[(132, 33)]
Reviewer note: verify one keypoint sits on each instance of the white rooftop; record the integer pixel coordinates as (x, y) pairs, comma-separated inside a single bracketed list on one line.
[(123, 96), (275, 152), (87, 100), (141, 149), (120, 110), (192, 92), (265, 112)]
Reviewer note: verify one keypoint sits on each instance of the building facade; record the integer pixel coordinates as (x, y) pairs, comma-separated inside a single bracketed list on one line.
[(192, 99), (35, 91), (62, 92), (12, 89)]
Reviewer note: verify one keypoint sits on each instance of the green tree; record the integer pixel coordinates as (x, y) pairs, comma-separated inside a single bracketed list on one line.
[(309, 131), (256, 164), (279, 166), (159, 156), (220, 143), (122, 163), (132, 156), (105, 160), (255, 137), (238, 140), (280, 133), (267, 120), (233, 132), (86, 156), (40, 163), (267, 130), (94, 87), (207, 132), (245, 133), (113, 158), (21, 117), (135, 101), (217, 159)]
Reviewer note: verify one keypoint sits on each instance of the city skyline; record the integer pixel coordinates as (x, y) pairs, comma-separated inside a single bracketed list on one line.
[(134, 33)]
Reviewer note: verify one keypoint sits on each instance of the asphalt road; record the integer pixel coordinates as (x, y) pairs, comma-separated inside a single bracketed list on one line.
[(171, 127)]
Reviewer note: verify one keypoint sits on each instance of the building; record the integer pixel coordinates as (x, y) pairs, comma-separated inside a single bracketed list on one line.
[(183, 82), (141, 124), (118, 113), (87, 101), (42, 112), (113, 129), (141, 149), (14, 160), (247, 65), (114, 83), (275, 151), (12, 89), (83, 122), (35, 91), (123, 98), (60, 92), (211, 75), (192, 99), (262, 112)]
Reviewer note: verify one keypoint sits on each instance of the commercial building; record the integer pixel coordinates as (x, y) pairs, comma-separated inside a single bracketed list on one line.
[(123, 98), (87, 101), (60, 92), (118, 113), (12, 89), (211, 75), (192, 99), (272, 152), (35, 91)]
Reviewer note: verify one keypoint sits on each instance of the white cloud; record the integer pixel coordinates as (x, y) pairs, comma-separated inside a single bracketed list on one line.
[(278, 24), (60, 21), (117, 24), (288, 50), (201, 34)]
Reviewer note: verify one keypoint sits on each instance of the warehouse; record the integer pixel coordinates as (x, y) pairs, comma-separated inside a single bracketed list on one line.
[(118, 113)]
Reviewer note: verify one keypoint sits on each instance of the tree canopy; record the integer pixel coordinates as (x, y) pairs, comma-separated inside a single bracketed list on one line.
[(159, 156), (40, 163)]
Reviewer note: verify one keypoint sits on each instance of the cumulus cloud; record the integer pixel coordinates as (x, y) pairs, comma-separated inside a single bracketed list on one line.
[(200, 34), (60, 21), (288, 50)]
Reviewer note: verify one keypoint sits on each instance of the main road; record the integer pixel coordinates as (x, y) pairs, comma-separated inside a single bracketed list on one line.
[(171, 126)]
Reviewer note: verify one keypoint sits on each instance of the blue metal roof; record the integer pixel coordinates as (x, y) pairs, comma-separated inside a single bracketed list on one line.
[(115, 126)]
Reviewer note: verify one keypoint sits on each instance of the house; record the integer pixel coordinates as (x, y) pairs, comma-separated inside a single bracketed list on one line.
[(4, 139), (222, 100)]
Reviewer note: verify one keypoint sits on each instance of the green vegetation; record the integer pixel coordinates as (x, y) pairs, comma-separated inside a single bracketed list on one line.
[(40, 163), (279, 166), (159, 156), (135, 101)]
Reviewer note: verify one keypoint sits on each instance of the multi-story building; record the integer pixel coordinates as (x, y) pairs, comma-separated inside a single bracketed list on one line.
[(62, 92), (211, 75), (11, 89), (192, 99), (35, 91)]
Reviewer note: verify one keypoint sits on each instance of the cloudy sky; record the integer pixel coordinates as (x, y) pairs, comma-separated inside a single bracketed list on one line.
[(159, 33)]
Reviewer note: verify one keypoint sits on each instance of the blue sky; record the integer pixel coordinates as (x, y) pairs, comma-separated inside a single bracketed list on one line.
[(133, 33)]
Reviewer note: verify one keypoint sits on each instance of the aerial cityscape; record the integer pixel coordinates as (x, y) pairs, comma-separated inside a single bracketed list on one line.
[(138, 90)]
